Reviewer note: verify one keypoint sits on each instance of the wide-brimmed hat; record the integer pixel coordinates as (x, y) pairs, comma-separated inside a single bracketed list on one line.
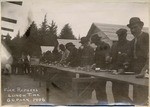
[(135, 20), (121, 31), (84, 40)]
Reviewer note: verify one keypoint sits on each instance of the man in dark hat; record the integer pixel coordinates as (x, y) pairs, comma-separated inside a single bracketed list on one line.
[(101, 53), (86, 55), (72, 59), (86, 52), (139, 55), (120, 52)]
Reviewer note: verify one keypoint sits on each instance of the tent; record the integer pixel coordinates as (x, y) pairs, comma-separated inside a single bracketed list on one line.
[(108, 31), (47, 48), (65, 41), (6, 57)]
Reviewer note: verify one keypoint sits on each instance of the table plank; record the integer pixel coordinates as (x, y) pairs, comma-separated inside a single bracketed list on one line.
[(105, 75)]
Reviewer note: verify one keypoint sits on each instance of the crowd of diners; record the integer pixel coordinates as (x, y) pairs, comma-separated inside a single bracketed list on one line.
[(122, 56)]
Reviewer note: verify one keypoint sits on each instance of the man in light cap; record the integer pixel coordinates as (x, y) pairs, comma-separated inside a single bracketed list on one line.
[(120, 52), (139, 55)]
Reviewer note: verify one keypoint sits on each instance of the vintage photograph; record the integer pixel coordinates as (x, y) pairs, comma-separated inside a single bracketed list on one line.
[(74, 53)]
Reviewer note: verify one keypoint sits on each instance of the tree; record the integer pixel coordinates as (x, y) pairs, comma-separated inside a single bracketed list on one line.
[(34, 37), (66, 33), (48, 33), (16, 45), (43, 31), (44, 25), (52, 31), (32, 41)]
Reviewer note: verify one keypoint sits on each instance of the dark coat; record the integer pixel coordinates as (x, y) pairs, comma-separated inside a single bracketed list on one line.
[(86, 56), (120, 52), (142, 46), (101, 53), (142, 49), (73, 57)]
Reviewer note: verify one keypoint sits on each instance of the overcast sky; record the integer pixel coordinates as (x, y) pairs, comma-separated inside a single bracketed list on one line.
[(80, 14)]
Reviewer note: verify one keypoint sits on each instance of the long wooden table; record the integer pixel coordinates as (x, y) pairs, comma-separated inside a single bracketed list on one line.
[(131, 79), (72, 81)]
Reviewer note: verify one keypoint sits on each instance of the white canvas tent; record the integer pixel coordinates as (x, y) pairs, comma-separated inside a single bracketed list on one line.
[(6, 57), (47, 48), (65, 41)]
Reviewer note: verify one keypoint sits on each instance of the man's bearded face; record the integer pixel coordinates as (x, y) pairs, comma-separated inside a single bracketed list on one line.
[(136, 29)]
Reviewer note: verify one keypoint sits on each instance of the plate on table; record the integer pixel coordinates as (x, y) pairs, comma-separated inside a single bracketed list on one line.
[(101, 70), (128, 73)]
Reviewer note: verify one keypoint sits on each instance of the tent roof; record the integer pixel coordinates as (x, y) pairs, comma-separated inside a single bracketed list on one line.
[(65, 41), (110, 30), (47, 48)]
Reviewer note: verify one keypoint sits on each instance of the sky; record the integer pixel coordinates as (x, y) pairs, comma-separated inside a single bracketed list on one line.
[(80, 14)]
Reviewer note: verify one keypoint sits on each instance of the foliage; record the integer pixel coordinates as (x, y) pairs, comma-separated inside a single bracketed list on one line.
[(16, 45), (35, 37), (48, 33), (66, 33)]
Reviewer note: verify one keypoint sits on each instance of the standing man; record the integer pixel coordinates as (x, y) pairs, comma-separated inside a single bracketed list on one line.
[(26, 64), (100, 60), (72, 59), (86, 53), (120, 61), (140, 49)]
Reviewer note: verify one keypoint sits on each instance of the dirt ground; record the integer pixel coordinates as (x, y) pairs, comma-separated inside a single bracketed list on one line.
[(16, 87)]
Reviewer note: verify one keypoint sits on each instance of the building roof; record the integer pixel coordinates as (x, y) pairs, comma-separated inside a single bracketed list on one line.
[(110, 30)]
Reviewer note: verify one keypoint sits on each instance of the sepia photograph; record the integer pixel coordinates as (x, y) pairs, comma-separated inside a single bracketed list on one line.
[(74, 53)]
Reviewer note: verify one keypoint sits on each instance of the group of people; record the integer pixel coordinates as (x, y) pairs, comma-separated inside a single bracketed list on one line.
[(74, 57), (21, 65), (123, 56)]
